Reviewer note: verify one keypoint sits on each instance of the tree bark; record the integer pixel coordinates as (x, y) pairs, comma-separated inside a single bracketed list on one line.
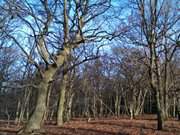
[(178, 108), (62, 99), (156, 85), (131, 108), (117, 103), (37, 117), (69, 109)]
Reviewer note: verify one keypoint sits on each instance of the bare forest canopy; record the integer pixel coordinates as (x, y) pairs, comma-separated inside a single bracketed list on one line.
[(61, 59)]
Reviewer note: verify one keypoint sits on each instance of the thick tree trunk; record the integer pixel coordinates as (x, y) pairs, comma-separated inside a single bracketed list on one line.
[(37, 117), (156, 86), (160, 119), (62, 99)]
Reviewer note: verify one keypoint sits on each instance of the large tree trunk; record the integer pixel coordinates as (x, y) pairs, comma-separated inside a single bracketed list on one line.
[(37, 117), (62, 99), (156, 85), (160, 119)]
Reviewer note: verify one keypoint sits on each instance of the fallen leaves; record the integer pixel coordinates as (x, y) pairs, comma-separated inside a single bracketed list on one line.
[(106, 126)]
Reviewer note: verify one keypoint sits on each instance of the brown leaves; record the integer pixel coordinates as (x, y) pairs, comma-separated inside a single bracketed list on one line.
[(145, 125)]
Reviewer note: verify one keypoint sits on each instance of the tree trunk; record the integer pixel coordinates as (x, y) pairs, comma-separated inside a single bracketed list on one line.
[(174, 107), (178, 107), (101, 109), (25, 103), (156, 84), (131, 108), (117, 104), (18, 112), (140, 102), (160, 119), (94, 105), (37, 117), (62, 99), (86, 104), (166, 87), (69, 109)]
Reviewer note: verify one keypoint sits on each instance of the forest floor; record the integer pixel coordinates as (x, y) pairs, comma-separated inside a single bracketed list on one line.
[(145, 125)]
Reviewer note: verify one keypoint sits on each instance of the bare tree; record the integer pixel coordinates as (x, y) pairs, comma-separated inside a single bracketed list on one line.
[(156, 25)]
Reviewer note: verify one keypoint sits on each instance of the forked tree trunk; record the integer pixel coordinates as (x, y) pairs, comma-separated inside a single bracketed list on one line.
[(37, 117)]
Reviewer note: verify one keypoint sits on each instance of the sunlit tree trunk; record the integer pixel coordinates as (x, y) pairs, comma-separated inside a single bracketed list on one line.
[(131, 109)]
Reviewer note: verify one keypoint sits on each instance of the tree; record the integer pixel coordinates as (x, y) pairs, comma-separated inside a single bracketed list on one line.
[(156, 25), (133, 73), (42, 19)]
